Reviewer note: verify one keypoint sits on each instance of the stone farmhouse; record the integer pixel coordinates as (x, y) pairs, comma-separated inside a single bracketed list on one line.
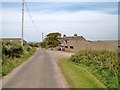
[(71, 43), (77, 43)]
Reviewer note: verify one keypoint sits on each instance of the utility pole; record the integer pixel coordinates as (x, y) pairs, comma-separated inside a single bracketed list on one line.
[(42, 36), (22, 22)]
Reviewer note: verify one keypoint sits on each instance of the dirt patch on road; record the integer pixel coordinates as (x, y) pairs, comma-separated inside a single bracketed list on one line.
[(59, 55)]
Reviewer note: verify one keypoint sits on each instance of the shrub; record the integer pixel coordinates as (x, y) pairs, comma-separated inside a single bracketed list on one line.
[(11, 50), (13, 54), (100, 62), (44, 45)]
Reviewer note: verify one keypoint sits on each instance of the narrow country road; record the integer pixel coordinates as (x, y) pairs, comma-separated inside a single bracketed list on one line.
[(41, 71)]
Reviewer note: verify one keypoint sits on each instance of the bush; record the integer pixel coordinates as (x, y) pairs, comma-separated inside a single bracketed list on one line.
[(13, 54), (27, 48), (44, 45), (102, 63), (11, 50)]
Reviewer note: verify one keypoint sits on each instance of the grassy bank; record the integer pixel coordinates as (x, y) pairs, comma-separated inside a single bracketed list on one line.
[(100, 63), (13, 55), (78, 77)]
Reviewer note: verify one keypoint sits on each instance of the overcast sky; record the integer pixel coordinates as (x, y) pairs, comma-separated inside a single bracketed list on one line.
[(93, 20)]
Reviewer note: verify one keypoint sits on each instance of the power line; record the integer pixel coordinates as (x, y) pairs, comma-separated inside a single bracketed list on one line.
[(31, 18)]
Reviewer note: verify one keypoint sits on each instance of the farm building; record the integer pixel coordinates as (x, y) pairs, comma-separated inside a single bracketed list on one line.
[(76, 43), (71, 43), (17, 40)]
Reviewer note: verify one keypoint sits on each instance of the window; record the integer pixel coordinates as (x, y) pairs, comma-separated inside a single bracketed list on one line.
[(66, 46), (71, 47)]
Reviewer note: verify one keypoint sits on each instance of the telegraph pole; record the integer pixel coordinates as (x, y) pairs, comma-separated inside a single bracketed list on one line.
[(22, 22), (42, 36)]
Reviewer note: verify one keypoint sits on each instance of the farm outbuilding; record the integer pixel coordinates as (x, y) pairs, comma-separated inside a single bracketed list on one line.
[(16, 40), (77, 43)]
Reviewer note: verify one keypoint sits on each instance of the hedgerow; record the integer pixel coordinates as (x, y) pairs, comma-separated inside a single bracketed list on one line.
[(11, 50), (13, 54), (102, 63)]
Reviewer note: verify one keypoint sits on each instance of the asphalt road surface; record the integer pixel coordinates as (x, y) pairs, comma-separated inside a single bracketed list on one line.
[(41, 71)]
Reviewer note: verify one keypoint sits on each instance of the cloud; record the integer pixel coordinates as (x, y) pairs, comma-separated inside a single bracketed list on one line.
[(63, 0), (102, 7), (11, 15), (65, 10), (70, 16), (92, 25), (89, 23)]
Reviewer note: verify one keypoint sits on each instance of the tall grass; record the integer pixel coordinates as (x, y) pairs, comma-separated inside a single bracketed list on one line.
[(102, 63), (13, 55)]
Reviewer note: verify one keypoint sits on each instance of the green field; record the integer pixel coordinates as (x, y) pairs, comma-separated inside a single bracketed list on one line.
[(79, 77)]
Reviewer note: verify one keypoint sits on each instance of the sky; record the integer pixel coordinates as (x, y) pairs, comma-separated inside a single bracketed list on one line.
[(93, 20)]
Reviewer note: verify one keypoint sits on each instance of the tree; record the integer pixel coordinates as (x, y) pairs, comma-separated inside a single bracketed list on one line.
[(64, 35), (54, 35), (75, 35), (52, 39)]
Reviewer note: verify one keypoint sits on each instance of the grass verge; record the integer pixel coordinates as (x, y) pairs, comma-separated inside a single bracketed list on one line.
[(101, 63), (78, 77)]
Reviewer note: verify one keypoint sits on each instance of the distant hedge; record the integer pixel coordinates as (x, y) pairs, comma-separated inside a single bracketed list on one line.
[(102, 63)]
